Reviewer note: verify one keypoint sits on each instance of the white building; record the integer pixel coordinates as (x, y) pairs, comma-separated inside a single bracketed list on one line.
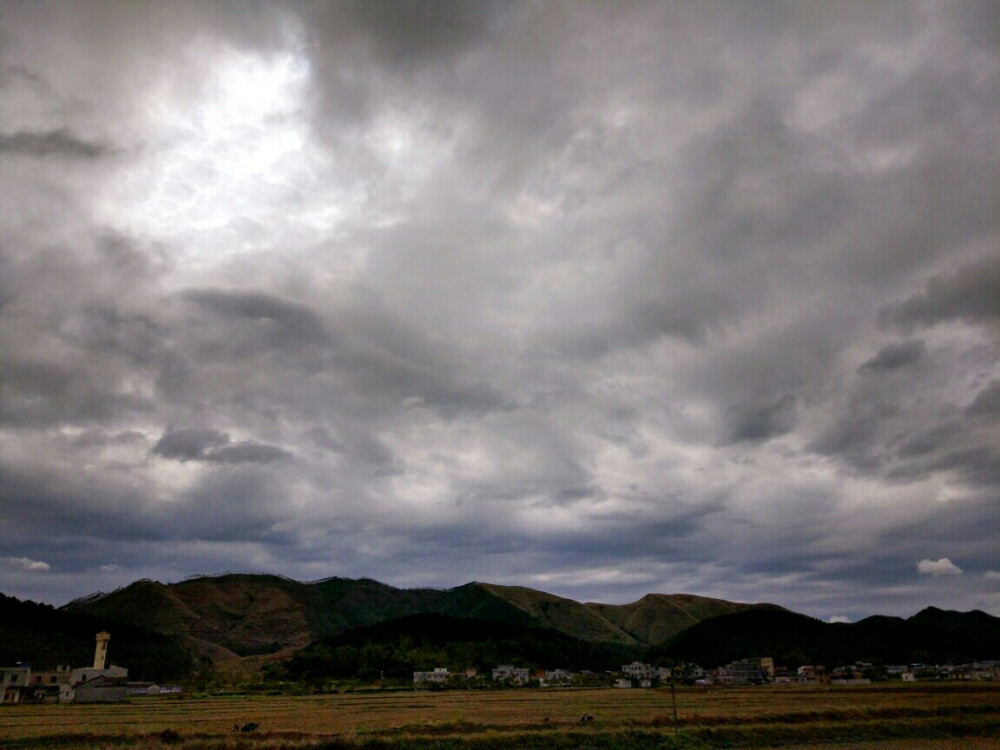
[(438, 676), (96, 684), (639, 671), (558, 677)]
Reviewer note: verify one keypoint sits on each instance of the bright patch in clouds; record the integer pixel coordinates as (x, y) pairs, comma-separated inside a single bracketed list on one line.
[(942, 567), (234, 172), (839, 618)]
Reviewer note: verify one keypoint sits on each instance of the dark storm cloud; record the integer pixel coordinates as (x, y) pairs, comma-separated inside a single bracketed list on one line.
[(929, 440), (246, 452), (757, 422), (986, 402), (57, 143), (408, 34), (70, 505), (280, 322), (40, 394), (893, 356), (215, 447), (188, 445), (970, 294), (76, 334), (370, 55), (83, 518), (978, 464), (906, 436)]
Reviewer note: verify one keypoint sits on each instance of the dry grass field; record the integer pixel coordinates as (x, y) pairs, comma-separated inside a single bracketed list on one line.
[(908, 717)]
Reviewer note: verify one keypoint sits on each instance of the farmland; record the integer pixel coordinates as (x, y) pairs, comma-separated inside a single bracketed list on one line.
[(911, 717)]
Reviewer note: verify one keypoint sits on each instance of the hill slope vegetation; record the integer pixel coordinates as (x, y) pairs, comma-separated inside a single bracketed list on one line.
[(422, 642), (240, 614)]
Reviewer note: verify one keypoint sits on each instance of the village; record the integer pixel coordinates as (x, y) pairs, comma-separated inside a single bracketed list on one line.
[(744, 672), (100, 683), (109, 683)]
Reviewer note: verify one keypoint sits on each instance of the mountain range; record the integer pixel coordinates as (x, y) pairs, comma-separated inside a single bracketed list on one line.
[(243, 623), (236, 615)]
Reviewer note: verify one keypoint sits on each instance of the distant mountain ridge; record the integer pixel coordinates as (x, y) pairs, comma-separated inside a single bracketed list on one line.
[(235, 615), (656, 618), (159, 627), (931, 636)]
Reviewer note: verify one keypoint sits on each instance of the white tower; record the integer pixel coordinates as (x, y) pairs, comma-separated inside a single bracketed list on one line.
[(101, 652)]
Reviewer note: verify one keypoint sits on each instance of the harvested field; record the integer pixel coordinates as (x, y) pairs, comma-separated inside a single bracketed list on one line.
[(730, 717)]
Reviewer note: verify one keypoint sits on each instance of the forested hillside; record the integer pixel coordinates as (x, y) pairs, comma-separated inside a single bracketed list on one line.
[(422, 642)]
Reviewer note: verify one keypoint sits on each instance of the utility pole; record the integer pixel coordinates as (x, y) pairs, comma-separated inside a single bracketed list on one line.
[(673, 698), (675, 673)]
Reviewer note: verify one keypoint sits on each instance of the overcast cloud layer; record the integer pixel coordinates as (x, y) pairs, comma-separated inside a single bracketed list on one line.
[(598, 298)]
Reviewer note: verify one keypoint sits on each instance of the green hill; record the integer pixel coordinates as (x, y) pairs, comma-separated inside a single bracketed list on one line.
[(546, 610), (237, 615), (657, 617)]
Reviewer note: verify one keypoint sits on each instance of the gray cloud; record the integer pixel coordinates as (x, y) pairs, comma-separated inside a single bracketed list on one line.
[(214, 446), (986, 402), (404, 35), (56, 143), (969, 294), (44, 394), (893, 356), (279, 322), (246, 452), (583, 296), (756, 422), (188, 445)]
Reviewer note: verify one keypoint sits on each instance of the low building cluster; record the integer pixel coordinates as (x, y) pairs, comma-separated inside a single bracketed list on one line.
[(96, 684), (435, 676), (756, 671), (977, 671), (759, 670), (507, 673), (504, 674)]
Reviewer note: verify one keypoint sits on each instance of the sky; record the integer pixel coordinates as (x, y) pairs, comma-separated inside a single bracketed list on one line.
[(603, 299)]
